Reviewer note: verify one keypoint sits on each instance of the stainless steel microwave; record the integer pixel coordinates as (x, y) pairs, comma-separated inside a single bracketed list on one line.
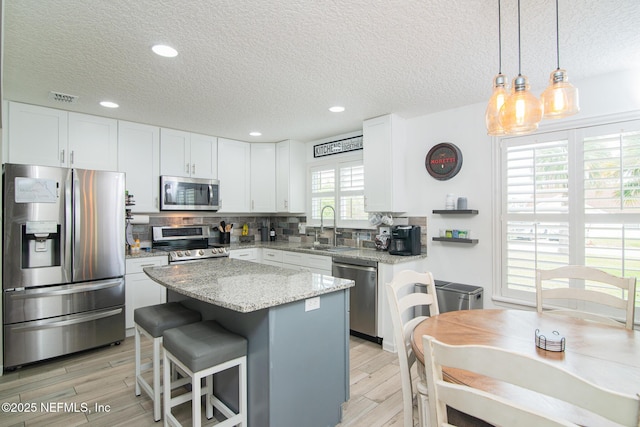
[(189, 194)]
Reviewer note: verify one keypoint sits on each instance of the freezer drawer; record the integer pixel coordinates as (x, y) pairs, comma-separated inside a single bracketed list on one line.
[(42, 339), (52, 301)]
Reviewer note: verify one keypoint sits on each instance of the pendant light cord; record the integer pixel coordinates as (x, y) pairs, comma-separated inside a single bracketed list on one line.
[(519, 55), (499, 39), (557, 36)]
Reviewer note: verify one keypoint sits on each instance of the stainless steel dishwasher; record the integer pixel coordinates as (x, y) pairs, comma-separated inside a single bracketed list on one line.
[(363, 297)]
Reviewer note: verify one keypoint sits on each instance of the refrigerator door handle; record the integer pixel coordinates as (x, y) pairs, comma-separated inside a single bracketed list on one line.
[(67, 289), (71, 320)]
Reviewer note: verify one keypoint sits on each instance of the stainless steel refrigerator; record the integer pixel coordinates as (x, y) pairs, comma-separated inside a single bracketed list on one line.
[(63, 261)]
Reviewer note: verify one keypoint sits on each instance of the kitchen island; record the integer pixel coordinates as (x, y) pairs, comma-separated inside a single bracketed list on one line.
[(297, 327)]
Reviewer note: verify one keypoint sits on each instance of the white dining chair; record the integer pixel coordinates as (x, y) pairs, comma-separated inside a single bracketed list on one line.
[(402, 303), (523, 371), (624, 287)]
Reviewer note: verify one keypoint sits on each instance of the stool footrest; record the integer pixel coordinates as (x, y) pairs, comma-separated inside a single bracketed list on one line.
[(227, 345)]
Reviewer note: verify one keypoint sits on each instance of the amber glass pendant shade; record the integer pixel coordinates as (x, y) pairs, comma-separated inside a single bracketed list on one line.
[(498, 97), (560, 98), (522, 111)]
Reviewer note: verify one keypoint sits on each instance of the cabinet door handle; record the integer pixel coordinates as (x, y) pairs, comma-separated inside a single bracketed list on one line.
[(156, 202), (71, 156), (286, 204), (186, 168), (62, 156), (253, 203), (193, 168)]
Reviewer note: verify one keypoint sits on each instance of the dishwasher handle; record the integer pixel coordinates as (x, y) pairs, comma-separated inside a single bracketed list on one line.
[(355, 267)]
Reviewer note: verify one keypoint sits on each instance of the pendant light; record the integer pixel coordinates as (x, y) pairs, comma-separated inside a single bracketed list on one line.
[(560, 98), (522, 111), (499, 95)]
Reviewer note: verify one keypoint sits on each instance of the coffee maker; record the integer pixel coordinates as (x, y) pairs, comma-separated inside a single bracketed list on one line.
[(405, 240)]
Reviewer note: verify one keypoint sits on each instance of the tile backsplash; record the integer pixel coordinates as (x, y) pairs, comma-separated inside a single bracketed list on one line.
[(287, 229)]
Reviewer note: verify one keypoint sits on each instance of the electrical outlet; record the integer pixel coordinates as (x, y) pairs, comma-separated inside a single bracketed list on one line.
[(302, 228), (385, 230), (312, 304)]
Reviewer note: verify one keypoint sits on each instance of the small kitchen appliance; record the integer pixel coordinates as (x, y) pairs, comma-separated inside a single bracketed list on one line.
[(189, 194), (405, 240)]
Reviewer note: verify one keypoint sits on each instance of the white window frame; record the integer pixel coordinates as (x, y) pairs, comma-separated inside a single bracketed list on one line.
[(575, 131), (333, 162)]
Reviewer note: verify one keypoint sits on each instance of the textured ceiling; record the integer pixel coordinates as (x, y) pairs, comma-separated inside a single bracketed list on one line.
[(276, 66)]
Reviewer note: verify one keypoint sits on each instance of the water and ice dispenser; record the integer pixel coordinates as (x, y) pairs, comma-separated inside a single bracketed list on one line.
[(41, 244)]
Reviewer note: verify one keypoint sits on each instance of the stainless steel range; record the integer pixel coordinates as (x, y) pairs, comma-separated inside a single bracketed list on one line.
[(189, 243)]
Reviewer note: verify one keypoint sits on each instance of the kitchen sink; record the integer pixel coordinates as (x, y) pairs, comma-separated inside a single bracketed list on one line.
[(328, 248)]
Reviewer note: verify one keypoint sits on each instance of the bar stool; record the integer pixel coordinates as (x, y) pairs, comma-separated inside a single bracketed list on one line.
[(201, 350), (152, 321)]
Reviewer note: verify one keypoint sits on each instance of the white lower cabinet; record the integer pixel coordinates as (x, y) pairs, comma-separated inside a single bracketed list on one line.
[(249, 254), (272, 257), (300, 261), (140, 290), (318, 263)]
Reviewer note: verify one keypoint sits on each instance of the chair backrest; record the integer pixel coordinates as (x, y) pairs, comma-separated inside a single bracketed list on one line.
[(402, 301), (580, 272), (523, 371)]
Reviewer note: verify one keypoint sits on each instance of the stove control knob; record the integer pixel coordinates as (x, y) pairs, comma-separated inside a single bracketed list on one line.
[(179, 254), (200, 252), (187, 253)]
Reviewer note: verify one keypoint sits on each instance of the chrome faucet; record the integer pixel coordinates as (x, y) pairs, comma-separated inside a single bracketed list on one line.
[(335, 227)]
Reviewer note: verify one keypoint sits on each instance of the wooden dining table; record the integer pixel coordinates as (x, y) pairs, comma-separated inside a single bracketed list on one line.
[(605, 355)]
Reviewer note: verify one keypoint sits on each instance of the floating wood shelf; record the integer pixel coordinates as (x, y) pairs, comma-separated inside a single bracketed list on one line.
[(455, 211), (452, 240)]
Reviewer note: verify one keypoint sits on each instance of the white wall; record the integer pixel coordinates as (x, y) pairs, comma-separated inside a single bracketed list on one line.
[(473, 264)]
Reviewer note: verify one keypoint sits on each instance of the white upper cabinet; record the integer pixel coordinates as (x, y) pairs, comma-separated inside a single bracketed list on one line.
[(187, 154), (51, 137), (290, 176), (263, 177), (139, 159), (204, 156), (36, 135), (234, 172), (384, 170), (93, 142)]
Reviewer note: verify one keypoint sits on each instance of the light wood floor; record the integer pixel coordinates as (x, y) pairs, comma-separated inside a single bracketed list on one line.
[(105, 377)]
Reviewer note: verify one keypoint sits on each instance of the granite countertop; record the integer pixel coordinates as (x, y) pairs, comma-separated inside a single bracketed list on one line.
[(361, 253), (145, 254), (243, 286)]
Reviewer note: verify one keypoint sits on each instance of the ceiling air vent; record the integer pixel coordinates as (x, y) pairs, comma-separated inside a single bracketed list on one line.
[(63, 97)]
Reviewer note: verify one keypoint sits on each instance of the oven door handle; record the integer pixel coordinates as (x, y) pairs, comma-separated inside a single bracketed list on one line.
[(67, 321)]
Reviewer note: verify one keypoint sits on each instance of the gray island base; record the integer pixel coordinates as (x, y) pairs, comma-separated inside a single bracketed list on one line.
[(297, 327)]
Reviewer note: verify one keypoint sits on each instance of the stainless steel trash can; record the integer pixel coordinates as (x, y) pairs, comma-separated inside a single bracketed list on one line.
[(452, 296)]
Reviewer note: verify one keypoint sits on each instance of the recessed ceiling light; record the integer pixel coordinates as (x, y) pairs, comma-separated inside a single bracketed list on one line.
[(336, 109), (255, 133), (164, 50), (109, 104)]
